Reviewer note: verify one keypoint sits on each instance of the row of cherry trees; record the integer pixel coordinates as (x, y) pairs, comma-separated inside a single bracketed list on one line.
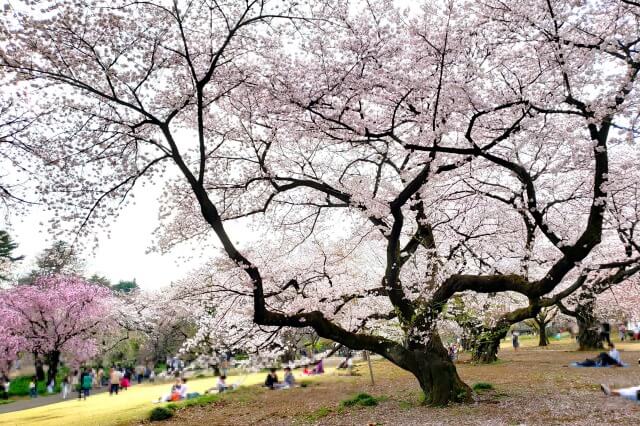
[(53, 313), (386, 159), (67, 318)]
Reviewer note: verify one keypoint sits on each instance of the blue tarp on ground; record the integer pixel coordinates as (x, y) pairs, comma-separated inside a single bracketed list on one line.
[(575, 364)]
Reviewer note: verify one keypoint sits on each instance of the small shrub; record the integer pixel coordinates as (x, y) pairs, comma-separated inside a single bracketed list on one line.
[(160, 413), (19, 386), (360, 400), (405, 405), (318, 414), (201, 401), (198, 401), (482, 386)]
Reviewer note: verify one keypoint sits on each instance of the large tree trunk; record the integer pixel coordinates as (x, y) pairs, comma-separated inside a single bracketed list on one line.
[(543, 339), (588, 329), (53, 361), (439, 379), (487, 344), (436, 374), (588, 335), (486, 351), (38, 366)]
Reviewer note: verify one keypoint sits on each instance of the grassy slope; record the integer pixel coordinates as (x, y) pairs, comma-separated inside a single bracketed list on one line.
[(102, 409)]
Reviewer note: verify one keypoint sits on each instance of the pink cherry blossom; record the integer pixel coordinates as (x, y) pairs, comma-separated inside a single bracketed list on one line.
[(56, 316)]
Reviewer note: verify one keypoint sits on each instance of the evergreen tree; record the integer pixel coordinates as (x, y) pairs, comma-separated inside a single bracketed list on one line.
[(7, 248)]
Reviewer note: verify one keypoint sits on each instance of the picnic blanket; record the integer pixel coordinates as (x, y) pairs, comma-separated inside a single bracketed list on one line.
[(576, 364)]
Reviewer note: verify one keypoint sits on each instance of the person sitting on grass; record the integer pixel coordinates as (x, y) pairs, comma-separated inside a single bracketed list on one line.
[(178, 392), (319, 368), (221, 386), (272, 379), (632, 393), (183, 389), (604, 359), (289, 380)]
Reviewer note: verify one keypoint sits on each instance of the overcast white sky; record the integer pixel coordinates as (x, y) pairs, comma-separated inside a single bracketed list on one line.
[(123, 256)]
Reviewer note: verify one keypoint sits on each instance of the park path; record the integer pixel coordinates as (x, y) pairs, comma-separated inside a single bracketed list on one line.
[(41, 400)]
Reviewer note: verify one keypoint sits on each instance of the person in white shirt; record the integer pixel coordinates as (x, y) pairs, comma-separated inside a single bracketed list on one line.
[(632, 393), (221, 386), (615, 354), (178, 392), (604, 359), (183, 389)]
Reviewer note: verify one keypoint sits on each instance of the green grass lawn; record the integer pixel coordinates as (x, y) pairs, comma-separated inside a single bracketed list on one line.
[(102, 409)]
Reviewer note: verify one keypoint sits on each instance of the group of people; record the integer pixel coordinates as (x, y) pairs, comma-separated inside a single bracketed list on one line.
[(272, 381), (81, 380), (85, 379), (178, 391), (631, 393), (633, 332), (174, 366), (318, 368)]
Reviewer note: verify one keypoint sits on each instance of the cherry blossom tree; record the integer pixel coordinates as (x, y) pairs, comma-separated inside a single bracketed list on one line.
[(596, 296), (11, 344), (540, 323), (13, 121), (56, 315), (370, 148), (620, 302), (597, 300), (162, 320)]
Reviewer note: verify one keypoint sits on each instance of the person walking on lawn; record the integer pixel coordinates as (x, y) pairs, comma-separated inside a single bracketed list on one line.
[(33, 387), (65, 386), (114, 381), (85, 384)]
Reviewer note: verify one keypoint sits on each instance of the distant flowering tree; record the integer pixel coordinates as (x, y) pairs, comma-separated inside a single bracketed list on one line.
[(56, 315), (161, 320), (11, 343), (376, 151)]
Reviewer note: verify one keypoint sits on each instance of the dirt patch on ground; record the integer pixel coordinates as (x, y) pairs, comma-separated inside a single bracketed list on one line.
[(533, 387)]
